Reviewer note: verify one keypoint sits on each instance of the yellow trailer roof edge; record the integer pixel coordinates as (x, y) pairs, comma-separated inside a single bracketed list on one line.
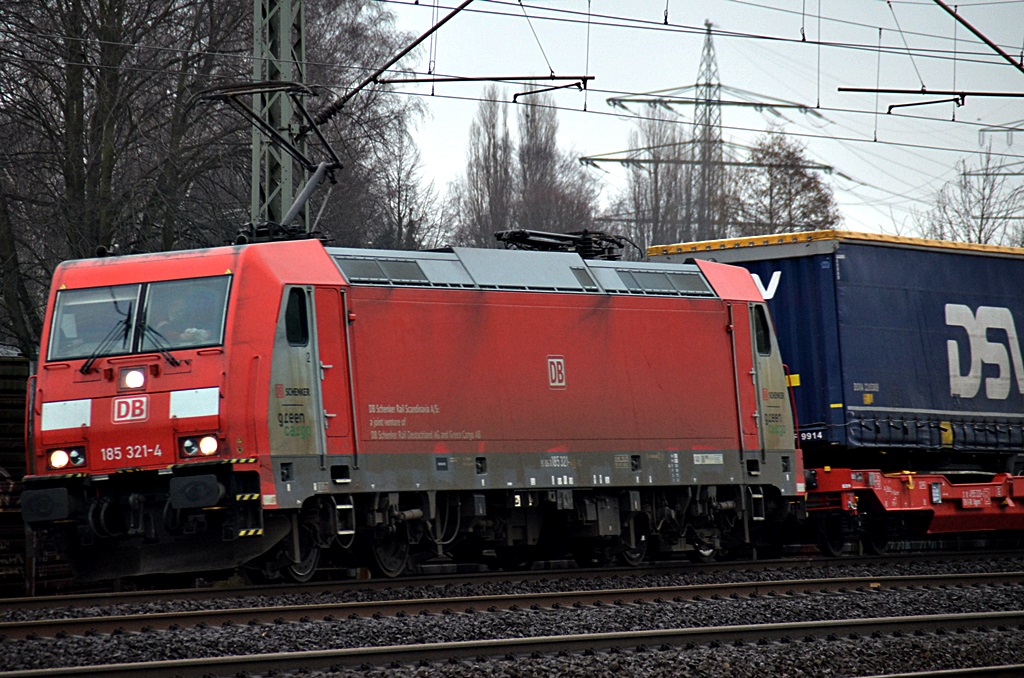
[(814, 236)]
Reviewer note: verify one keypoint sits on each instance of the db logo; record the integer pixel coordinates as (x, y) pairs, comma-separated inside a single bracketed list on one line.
[(556, 371), (135, 408)]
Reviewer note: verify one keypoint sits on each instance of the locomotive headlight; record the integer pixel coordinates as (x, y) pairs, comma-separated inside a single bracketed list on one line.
[(189, 447), (204, 446), (73, 456), (133, 378), (208, 445), (59, 459)]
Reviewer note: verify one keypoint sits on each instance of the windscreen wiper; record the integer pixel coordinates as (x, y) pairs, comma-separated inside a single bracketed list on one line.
[(160, 343), (120, 328)]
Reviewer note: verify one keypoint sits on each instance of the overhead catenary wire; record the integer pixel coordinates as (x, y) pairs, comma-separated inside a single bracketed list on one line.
[(617, 21), (818, 105), (537, 38), (955, 25), (878, 80), (904, 38), (331, 110), (981, 36), (625, 23), (936, 53), (586, 68)]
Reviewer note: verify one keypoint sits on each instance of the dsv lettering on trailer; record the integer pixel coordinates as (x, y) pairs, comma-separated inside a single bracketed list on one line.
[(982, 351)]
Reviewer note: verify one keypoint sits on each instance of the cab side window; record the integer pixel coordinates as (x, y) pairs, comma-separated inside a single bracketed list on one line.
[(296, 319), (762, 335)]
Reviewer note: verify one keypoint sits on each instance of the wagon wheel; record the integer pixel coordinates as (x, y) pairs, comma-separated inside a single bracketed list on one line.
[(875, 539), (302, 571), (389, 552), (831, 540)]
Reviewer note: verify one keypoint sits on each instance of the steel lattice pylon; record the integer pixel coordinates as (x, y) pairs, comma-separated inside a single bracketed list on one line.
[(279, 54), (708, 135)]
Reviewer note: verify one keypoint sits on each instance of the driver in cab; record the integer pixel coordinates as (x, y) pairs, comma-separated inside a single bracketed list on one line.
[(178, 327)]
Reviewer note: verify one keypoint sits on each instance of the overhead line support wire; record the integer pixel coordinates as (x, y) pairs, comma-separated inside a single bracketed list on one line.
[(980, 35), (579, 85), (332, 109), (536, 37), (938, 92), (484, 78), (959, 101)]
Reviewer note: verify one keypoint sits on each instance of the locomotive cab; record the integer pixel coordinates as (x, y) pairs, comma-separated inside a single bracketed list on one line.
[(139, 459)]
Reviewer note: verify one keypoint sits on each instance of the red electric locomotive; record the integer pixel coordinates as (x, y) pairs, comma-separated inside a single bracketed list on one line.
[(259, 404)]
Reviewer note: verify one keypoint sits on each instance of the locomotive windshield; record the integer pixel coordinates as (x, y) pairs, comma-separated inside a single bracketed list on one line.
[(102, 321)]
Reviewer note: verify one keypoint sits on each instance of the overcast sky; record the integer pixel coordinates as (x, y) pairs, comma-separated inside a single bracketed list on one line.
[(759, 51)]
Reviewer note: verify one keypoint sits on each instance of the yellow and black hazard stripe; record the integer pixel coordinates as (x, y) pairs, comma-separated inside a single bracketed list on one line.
[(251, 496), (62, 476), (214, 462), (258, 532)]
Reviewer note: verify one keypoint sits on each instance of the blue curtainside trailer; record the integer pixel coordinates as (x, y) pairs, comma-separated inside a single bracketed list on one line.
[(903, 353)]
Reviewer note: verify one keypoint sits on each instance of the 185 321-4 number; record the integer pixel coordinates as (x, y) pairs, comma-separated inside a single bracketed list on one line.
[(130, 452)]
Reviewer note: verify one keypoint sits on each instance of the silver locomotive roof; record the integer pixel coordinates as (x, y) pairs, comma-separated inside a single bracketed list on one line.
[(499, 269)]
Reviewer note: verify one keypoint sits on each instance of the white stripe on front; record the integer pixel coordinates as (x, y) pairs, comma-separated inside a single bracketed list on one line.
[(66, 414), (197, 402)]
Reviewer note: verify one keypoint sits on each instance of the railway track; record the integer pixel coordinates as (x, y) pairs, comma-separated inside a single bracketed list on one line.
[(303, 662), (648, 606), (794, 566), (471, 604)]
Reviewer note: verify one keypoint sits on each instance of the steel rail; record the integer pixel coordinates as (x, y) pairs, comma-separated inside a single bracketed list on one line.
[(341, 610), (307, 661), (449, 577)]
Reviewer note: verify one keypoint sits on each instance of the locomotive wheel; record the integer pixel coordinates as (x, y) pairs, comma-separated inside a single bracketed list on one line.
[(303, 571), (702, 553), (590, 553), (632, 557), (514, 558), (389, 553), (255, 574)]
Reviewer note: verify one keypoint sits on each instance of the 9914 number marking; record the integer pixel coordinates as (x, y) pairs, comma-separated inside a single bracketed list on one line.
[(812, 435), (130, 452)]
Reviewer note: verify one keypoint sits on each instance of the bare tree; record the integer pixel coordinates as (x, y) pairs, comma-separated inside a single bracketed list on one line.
[(553, 192), (343, 42), (528, 183), (102, 142), (979, 206), (537, 168), (103, 89), (408, 206), (780, 192), (486, 195), (656, 205), (94, 115)]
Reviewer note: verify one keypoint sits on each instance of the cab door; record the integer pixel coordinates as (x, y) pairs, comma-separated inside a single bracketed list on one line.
[(294, 410), (334, 369), (774, 412)]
